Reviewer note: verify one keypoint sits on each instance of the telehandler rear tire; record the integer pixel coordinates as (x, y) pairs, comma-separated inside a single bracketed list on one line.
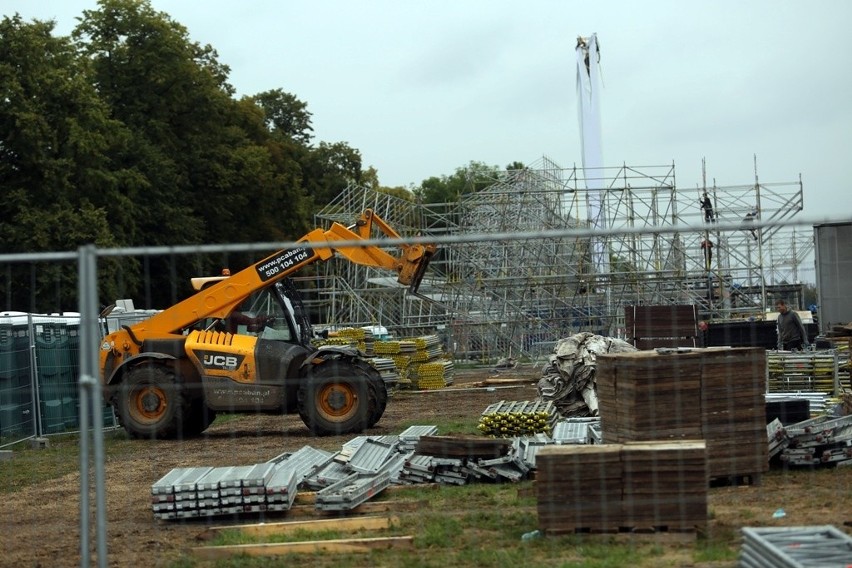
[(150, 404)]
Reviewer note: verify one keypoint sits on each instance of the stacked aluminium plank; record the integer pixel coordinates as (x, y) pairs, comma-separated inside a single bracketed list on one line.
[(714, 394)]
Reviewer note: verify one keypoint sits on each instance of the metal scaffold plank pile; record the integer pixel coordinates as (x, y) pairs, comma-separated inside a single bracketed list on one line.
[(359, 337), (360, 470), (824, 440), (432, 375), (387, 369), (352, 491), (822, 546)]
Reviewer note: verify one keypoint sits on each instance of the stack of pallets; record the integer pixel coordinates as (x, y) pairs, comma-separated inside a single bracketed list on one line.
[(647, 396), (665, 484), (733, 412), (714, 394), (635, 487), (578, 488)]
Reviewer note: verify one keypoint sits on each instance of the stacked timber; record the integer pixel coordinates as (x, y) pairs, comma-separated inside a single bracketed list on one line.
[(578, 488), (649, 327), (714, 394), (733, 411), (622, 488), (665, 484), (646, 396)]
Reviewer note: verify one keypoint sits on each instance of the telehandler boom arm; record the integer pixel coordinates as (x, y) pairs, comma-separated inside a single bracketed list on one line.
[(218, 300)]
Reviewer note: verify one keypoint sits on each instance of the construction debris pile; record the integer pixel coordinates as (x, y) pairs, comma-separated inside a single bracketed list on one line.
[(821, 441), (362, 468), (568, 380), (412, 362)]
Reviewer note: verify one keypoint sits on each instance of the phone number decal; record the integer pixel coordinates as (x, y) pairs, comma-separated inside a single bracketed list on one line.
[(272, 267)]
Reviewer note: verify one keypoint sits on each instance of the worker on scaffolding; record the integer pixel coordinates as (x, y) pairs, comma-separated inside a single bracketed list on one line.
[(707, 247), (707, 207), (750, 218)]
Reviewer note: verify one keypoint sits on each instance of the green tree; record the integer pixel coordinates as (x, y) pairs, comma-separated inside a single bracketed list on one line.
[(286, 115), (328, 169), (57, 174), (211, 170), (474, 177)]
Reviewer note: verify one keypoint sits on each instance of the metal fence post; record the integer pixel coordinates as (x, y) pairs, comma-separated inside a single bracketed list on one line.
[(36, 399), (90, 406)]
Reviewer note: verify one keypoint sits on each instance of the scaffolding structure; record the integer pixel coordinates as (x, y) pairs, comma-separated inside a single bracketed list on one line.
[(517, 296)]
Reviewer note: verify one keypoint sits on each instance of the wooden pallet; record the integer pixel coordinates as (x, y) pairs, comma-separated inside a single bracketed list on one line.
[(655, 533), (736, 480)]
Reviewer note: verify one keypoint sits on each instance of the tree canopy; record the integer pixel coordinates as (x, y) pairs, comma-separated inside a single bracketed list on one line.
[(127, 134)]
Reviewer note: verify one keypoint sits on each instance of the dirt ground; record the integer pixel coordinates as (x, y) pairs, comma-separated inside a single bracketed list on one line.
[(41, 523)]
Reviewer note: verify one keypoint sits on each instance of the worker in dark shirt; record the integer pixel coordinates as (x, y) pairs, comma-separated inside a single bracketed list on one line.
[(707, 207), (792, 335)]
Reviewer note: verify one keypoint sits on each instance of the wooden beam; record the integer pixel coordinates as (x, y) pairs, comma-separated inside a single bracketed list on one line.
[(275, 549), (288, 527), (310, 497)]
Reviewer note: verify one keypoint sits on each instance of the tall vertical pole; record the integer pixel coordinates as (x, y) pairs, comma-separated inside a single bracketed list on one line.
[(759, 239), (91, 404)]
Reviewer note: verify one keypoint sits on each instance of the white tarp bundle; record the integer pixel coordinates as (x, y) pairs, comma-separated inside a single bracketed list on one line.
[(569, 377)]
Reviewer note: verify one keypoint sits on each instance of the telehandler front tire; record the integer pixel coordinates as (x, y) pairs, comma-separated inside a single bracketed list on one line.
[(150, 404)]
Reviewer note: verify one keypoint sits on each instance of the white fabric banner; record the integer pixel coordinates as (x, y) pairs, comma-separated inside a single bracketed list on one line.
[(588, 97)]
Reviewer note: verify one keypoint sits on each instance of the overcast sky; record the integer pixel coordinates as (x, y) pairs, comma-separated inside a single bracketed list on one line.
[(422, 88)]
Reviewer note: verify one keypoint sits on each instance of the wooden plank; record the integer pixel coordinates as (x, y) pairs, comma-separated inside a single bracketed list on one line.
[(287, 527), (339, 546), (310, 497), (492, 381)]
